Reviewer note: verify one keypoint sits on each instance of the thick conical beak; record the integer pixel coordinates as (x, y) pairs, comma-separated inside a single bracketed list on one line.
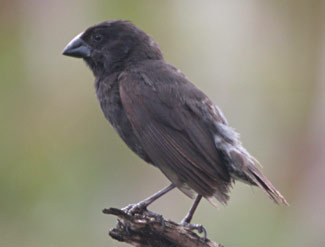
[(77, 48)]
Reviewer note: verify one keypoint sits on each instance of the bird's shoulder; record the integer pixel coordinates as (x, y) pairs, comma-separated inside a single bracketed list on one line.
[(160, 80), (159, 85)]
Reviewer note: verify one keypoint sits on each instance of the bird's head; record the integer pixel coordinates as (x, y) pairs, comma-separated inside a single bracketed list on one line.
[(110, 46)]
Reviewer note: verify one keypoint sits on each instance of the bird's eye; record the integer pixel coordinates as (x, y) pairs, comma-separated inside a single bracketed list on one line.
[(98, 37)]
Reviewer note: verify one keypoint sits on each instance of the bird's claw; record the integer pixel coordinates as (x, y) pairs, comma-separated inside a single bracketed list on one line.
[(127, 228), (140, 208), (135, 208), (162, 222), (197, 227)]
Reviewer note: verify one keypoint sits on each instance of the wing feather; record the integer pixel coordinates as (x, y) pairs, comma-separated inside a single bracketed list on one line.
[(179, 145)]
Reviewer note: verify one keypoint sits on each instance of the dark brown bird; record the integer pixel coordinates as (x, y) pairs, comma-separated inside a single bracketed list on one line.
[(163, 117)]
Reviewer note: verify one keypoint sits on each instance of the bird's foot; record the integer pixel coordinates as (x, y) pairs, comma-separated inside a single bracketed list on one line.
[(197, 227), (135, 208), (141, 208), (162, 221)]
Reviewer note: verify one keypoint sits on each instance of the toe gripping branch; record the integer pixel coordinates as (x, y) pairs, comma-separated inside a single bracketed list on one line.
[(148, 229)]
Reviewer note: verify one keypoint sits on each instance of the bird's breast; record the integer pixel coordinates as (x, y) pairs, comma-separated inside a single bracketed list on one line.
[(110, 102)]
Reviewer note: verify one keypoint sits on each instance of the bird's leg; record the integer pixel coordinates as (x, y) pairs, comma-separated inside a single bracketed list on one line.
[(186, 221), (190, 213), (141, 206)]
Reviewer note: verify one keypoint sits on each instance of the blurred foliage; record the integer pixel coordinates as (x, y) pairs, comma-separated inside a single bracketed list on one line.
[(262, 62)]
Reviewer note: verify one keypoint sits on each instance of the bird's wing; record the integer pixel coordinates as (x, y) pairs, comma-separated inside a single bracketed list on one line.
[(168, 120)]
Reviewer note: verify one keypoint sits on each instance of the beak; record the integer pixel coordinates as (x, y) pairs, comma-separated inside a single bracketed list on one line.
[(77, 48)]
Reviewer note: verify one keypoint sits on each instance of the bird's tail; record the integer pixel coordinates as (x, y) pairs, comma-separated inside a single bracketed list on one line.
[(261, 181), (245, 169)]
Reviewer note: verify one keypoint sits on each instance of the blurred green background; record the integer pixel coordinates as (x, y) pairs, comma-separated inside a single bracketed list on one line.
[(262, 62)]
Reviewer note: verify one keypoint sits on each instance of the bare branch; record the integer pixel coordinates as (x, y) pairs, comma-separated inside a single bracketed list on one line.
[(147, 229)]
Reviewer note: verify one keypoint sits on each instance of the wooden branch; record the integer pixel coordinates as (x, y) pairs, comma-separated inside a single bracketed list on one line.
[(147, 229)]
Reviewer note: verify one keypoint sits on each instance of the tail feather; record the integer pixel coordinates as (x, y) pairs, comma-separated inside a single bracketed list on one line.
[(242, 165), (244, 169), (261, 181)]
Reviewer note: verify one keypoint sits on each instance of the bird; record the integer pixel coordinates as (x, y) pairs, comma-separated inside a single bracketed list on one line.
[(164, 118)]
